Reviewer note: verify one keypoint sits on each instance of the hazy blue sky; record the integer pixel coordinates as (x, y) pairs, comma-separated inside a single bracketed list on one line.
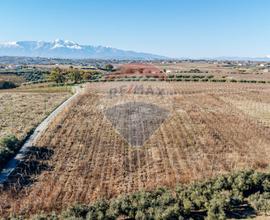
[(177, 28)]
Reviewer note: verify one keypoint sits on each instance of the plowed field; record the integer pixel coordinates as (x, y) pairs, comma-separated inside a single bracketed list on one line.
[(120, 137)]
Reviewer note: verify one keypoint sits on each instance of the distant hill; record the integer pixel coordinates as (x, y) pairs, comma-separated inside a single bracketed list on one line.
[(70, 50)]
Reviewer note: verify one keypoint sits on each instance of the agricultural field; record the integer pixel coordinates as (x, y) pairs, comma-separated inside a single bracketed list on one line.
[(12, 78), (23, 109), (237, 71), (120, 137), (19, 76)]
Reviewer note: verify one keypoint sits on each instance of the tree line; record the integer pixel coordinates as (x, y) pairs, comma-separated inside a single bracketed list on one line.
[(73, 75), (237, 195)]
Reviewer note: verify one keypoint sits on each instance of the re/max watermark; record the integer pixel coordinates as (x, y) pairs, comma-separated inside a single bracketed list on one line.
[(139, 90)]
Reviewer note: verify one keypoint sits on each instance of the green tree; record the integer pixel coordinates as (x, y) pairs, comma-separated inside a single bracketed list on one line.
[(7, 85), (8, 146), (87, 75), (217, 206), (57, 75), (9, 141), (109, 67), (75, 75)]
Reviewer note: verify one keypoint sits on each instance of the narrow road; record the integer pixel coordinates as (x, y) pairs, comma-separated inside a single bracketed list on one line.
[(12, 164)]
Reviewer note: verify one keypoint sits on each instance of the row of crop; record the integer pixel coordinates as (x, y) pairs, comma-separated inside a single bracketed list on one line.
[(160, 77), (129, 79), (187, 79), (191, 71), (33, 75), (29, 74), (190, 76), (58, 75), (220, 198)]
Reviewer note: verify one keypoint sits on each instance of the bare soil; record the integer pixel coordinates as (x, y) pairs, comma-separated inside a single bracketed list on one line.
[(138, 69)]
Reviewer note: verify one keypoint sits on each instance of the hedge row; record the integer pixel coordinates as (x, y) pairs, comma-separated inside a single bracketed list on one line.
[(190, 76), (7, 85), (184, 79), (219, 198), (29, 74)]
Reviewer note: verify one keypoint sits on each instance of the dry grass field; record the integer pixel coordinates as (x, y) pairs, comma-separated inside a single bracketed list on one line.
[(22, 110), (12, 77), (121, 137)]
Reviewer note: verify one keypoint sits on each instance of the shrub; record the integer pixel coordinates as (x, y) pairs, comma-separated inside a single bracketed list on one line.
[(7, 85), (179, 76), (109, 67), (172, 212), (266, 185), (212, 199), (78, 211), (215, 211), (186, 76), (261, 202), (195, 71), (205, 80), (198, 76), (10, 142), (243, 81), (8, 147), (218, 80)]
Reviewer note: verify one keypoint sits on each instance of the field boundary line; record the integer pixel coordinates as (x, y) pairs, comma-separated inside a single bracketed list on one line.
[(19, 157)]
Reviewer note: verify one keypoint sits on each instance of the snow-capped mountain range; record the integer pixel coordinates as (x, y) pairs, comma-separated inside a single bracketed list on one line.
[(69, 49)]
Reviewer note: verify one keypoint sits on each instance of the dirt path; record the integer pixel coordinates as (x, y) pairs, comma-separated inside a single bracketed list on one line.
[(12, 164)]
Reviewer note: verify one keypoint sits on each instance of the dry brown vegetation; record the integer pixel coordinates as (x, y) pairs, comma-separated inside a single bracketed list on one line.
[(138, 69), (12, 77), (207, 132), (22, 111)]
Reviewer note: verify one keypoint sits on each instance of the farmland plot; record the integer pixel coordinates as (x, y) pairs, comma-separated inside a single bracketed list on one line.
[(124, 136), (22, 111)]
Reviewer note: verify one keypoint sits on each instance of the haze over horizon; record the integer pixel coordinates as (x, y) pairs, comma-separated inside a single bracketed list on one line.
[(186, 28)]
